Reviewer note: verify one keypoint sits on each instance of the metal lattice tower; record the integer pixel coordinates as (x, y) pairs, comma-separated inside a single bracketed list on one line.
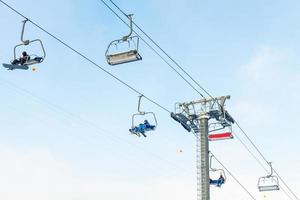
[(195, 116)]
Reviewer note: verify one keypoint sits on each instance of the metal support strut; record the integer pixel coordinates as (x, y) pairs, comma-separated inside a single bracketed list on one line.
[(125, 38), (139, 105), (25, 42)]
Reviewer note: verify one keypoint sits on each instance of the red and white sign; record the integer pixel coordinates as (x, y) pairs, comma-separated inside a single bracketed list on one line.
[(220, 136)]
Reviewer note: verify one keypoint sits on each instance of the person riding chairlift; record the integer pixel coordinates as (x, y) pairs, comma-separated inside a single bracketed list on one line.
[(22, 60), (219, 182), (142, 128)]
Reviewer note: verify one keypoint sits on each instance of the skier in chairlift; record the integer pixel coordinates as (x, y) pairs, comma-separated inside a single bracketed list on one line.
[(219, 182), (22, 60), (142, 128)]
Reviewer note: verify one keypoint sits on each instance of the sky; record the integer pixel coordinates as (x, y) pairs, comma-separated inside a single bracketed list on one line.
[(64, 132)]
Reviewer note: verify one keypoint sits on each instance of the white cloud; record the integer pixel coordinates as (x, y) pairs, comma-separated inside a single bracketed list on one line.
[(268, 86)]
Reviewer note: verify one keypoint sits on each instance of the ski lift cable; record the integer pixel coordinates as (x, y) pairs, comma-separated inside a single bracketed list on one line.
[(155, 51), (190, 76), (80, 54), (244, 188), (251, 153), (286, 193), (110, 74), (89, 60), (86, 58), (280, 178)]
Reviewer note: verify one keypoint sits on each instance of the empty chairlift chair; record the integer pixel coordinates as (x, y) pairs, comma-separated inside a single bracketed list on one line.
[(123, 50), (218, 132), (221, 129), (269, 182), (29, 59)]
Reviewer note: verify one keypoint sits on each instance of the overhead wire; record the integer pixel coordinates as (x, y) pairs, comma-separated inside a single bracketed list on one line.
[(286, 193), (250, 152), (80, 54), (85, 57), (200, 86), (124, 83)]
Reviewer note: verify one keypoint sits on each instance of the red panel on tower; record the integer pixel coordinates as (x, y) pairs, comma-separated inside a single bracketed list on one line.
[(220, 136)]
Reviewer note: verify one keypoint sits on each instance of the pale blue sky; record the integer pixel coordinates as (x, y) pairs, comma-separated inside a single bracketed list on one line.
[(64, 130)]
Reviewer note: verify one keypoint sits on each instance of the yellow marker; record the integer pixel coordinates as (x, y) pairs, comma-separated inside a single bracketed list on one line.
[(264, 195)]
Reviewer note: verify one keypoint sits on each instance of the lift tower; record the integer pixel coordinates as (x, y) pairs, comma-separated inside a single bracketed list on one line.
[(196, 116)]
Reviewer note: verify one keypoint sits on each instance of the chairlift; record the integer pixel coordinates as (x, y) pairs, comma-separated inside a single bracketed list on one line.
[(269, 182), (218, 132), (149, 123), (221, 129), (130, 54), (213, 180), (29, 59)]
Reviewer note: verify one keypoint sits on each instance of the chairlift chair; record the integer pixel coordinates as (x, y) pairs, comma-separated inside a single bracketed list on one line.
[(222, 128), (218, 132), (130, 55), (213, 181), (140, 128), (32, 59), (269, 182)]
